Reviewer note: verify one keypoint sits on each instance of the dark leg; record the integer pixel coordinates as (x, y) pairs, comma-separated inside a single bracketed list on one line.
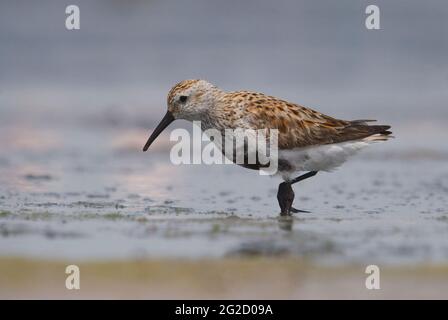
[(304, 176), (285, 194)]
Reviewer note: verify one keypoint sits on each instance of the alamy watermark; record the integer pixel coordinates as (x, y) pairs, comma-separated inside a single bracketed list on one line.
[(72, 21), (72, 282), (247, 147), (373, 278), (373, 19)]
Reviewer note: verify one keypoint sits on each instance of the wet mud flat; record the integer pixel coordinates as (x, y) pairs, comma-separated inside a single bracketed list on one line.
[(103, 205), (128, 206)]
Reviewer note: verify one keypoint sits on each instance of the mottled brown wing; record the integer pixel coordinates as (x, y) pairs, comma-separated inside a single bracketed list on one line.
[(301, 127)]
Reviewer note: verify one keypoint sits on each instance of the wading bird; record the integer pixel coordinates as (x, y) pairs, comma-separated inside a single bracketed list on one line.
[(307, 139)]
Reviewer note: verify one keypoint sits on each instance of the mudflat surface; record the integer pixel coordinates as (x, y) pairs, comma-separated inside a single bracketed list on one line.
[(90, 197), (99, 197)]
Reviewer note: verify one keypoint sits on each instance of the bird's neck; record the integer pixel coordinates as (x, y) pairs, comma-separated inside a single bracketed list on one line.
[(213, 117)]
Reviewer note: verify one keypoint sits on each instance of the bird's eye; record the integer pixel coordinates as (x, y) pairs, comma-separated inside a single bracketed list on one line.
[(183, 99)]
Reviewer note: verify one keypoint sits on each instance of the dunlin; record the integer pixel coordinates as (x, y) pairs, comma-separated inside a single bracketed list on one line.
[(308, 141)]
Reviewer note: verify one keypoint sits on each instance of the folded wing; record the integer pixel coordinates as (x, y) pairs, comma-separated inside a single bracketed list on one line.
[(301, 127)]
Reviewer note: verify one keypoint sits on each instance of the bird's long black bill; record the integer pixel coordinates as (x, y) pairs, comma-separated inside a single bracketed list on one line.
[(167, 119)]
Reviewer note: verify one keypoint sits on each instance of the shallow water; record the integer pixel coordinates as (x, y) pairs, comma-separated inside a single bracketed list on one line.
[(92, 194)]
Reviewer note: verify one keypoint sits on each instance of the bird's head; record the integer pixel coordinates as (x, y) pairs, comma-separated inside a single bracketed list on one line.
[(189, 100)]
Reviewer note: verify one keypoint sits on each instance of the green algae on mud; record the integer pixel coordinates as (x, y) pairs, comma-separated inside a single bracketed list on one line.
[(4, 214)]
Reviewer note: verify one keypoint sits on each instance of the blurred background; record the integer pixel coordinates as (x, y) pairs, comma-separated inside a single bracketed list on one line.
[(119, 66), (77, 106)]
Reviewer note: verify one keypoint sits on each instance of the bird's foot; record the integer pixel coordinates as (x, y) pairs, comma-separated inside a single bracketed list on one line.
[(294, 210), (285, 196)]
